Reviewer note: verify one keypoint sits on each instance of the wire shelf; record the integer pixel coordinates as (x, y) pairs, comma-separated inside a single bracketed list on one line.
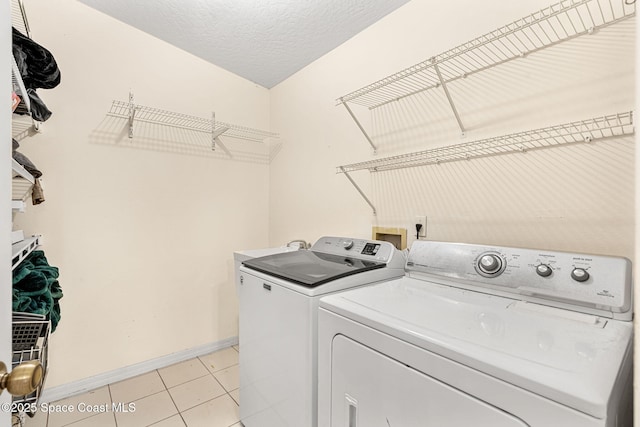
[(18, 85), (30, 342), (21, 182), (574, 132), (134, 112), (23, 126), (21, 250), (552, 25), (19, 17)]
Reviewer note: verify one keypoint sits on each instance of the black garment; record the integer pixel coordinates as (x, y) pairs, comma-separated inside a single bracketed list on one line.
[(37, 65), (39, 111), (38, 69)]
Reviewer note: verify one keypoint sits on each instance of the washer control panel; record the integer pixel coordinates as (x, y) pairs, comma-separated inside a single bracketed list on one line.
[(595, 284), (356, 248)]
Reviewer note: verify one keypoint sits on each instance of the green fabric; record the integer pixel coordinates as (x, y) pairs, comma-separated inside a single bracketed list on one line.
[(36, 288)]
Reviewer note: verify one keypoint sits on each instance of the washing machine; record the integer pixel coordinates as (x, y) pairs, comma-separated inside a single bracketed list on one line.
[(241, 256), (279, 297), (481, 336)]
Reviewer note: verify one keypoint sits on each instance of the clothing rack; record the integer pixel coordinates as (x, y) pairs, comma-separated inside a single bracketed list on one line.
[(581, 131), (555, 24)]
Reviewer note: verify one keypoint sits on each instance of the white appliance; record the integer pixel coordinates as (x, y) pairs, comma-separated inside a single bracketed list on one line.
[(279, 297), (240, 256), (481, 336)]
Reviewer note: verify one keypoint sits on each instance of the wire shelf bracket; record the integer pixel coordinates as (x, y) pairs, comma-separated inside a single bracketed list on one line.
[(132, 114), (364, 196), (215, 135), (364, 132), (447, 94), (583, 131), (555, 24), (215, 129)]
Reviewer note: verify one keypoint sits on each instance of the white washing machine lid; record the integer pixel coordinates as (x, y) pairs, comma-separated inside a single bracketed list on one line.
[(568, 357)]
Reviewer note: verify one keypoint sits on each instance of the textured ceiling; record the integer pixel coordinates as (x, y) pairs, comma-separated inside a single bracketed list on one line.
[(264, 41)]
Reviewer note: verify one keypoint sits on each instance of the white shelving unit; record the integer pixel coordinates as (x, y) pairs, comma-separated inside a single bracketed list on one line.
[(23, 125), (21, 184), (30, 332), (139, 113), (555, 24), (582, 131)]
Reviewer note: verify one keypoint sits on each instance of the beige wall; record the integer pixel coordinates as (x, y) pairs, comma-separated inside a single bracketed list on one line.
[(574, 198), (142, 230)]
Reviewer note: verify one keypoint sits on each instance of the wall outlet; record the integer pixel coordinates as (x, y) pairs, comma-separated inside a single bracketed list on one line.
[(421, 220)]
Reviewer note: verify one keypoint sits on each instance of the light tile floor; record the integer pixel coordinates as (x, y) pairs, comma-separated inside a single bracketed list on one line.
[(198, 392)]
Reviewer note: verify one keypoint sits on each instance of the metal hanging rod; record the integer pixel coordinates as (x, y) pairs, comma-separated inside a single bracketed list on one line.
[(557, 23), (138, 113), (580, 131), (614, 125)]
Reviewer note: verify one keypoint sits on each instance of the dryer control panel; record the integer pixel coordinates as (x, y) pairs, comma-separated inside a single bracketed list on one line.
[(595, 284)]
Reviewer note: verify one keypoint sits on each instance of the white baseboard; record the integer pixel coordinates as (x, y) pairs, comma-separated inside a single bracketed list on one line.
[(56, 393)]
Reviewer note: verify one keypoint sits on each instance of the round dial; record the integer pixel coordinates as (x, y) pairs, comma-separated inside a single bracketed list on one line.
[(544, 270), (580, 275), (347, 244), (490, 264)]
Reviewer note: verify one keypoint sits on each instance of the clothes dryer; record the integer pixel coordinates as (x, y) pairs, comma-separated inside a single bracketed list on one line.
[(481, 336)]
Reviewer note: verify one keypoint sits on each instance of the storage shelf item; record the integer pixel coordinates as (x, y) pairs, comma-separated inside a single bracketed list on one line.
[(21, 250), (138, 113), (613, 125), (557, 23), (21, 182)]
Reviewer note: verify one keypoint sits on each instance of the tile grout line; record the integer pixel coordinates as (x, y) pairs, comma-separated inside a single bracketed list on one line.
[(115, 419), (170, 397)]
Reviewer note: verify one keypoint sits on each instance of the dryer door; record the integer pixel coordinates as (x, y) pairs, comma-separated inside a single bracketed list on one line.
[(369, 389)]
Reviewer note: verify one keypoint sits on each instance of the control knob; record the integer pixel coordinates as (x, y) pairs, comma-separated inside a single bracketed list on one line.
[(544, 270), (490, 265), (347, 244), (580, 275)]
